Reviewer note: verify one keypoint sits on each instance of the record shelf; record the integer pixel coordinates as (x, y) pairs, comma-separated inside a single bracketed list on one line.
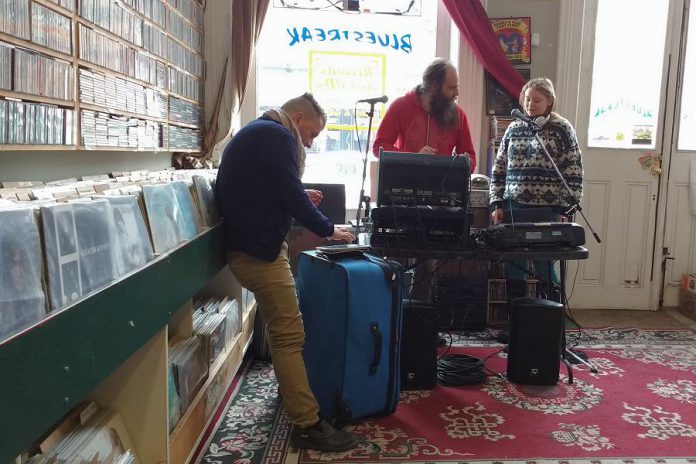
[(111, 347), (129, 75)]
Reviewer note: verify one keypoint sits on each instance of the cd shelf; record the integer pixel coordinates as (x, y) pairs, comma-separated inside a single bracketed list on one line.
[(141, 58)]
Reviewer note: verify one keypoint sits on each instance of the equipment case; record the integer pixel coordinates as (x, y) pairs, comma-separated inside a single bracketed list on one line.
[(351, 305)]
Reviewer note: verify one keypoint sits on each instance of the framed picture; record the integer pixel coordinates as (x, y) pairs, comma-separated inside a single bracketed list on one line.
[(514, 36), (498, 102)]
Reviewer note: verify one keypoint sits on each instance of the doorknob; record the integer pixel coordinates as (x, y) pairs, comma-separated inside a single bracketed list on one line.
[(652, 161)]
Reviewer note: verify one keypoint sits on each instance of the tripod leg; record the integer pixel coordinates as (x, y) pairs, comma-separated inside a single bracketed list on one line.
[(580, 360), (566, 351), (569, 367)]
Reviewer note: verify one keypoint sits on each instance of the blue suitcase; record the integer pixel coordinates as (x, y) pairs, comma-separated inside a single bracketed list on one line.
[(352, 310)]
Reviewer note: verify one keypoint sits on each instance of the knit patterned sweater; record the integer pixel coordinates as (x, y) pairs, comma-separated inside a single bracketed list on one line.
[(522, 172)]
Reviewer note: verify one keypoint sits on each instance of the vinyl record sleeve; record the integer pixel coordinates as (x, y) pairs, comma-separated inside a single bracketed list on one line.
[(164, 216), (78, 249), (94, 227), (132, 247), (206, 200), (22, 299), (190, 216)]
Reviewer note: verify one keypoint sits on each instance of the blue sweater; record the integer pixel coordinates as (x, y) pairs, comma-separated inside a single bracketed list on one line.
[(259, 191)]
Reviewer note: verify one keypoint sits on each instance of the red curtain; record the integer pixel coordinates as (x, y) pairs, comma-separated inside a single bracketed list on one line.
[(475, 27)]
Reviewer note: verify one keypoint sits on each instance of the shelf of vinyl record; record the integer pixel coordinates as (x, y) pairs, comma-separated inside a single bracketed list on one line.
[(183, 372), (63, 86), (73, 237), (186, 428), (498, 311)]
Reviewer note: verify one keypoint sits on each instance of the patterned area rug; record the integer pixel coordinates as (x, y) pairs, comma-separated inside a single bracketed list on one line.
[(638, 408)]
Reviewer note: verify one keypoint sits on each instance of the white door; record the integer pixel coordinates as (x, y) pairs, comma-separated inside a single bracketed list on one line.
[(678, 236), (626, 66)]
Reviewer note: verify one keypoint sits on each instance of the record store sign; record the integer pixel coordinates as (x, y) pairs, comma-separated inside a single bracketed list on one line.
[(339, 78), (344, 36)]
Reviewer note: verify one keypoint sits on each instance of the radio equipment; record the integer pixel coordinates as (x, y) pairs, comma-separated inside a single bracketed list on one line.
[(416, 179), (420, 227), (534, 234)]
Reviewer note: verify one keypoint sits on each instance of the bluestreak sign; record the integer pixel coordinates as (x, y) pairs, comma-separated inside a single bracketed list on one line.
[(318, 34)]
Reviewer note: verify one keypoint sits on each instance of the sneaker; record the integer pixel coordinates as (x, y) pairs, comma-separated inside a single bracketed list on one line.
[(322, 437)]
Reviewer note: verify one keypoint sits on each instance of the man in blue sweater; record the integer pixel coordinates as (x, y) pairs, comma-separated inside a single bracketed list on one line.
[(259, 190)]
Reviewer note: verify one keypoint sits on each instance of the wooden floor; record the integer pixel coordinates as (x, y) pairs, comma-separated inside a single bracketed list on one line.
[(663, 319)]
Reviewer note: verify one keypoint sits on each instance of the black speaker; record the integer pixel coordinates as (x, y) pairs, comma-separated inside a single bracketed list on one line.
[(418, 348), (536, 331)]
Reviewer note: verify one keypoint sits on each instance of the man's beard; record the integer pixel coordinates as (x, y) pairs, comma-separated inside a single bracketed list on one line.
[(444, 110)]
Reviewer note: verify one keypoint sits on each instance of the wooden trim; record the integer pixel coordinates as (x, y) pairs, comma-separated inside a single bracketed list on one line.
[(125, 149), (186, 99), (183, 124), (37, 98), (55, 7), (103, 109), (571, 24), (77, 130), (38, 148), (35, 47)]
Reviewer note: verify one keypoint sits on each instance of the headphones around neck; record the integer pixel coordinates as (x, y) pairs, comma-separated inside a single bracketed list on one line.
[(542, 120)]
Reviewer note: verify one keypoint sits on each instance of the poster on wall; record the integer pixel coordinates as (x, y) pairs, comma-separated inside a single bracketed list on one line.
[(498, 102), (514, 36)]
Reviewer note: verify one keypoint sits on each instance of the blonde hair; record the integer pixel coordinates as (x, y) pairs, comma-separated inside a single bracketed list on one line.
[(542, 85)]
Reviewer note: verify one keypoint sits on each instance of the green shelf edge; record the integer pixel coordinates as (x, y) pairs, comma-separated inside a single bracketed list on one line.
[(46, 370)]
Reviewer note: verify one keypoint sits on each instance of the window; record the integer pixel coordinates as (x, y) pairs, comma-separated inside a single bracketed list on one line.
[(687, 118), (342, 57), (627, 74)]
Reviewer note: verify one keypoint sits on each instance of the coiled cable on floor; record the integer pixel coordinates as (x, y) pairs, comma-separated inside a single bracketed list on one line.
[(459, 369)]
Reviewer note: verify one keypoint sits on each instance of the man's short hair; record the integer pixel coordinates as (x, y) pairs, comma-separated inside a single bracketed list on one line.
[(307, 104)]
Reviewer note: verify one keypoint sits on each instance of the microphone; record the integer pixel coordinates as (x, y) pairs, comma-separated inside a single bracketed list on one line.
[(372, 101), (523, 117)]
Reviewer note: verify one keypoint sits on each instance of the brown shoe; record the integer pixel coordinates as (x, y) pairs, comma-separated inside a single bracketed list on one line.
[(322, 437)]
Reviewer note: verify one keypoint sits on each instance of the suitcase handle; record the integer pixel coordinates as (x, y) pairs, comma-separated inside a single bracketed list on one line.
[(374, 330)]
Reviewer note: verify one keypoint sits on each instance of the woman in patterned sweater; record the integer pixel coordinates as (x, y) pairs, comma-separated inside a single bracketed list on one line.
[(524, 184)]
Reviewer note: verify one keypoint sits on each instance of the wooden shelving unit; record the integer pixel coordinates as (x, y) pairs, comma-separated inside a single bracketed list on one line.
[(498, 311), (166, 39), (112, 347)]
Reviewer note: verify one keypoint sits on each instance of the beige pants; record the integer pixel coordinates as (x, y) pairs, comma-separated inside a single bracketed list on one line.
[(274, 288)]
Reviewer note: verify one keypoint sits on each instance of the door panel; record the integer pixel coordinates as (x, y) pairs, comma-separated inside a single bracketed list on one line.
[(596, 200), (679, 239), (637, 246), (621, 196)]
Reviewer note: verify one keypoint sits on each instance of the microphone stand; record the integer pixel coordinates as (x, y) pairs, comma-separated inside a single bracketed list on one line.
[(574, 206), (364, 198)]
